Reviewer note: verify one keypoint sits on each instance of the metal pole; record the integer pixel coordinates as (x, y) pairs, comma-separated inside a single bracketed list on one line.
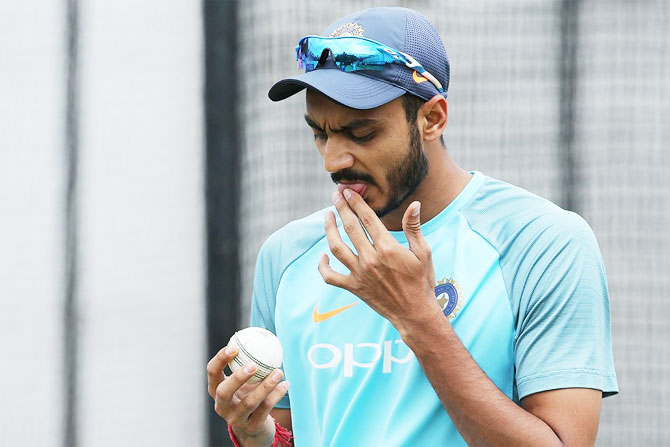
[(222, 185), (568, 86), (70, 329)]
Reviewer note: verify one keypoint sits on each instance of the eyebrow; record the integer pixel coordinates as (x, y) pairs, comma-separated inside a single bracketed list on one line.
[(351, 125)]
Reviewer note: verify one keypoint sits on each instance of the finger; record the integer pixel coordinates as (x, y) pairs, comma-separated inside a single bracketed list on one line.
[(261, 413), (337, 246), (352, 224), (254, 399), (411, 226), (226, 390), (215, 368), (373, 225), (330, 276)]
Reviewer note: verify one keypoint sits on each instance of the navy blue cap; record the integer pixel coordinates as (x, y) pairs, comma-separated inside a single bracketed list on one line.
[(400, 28)]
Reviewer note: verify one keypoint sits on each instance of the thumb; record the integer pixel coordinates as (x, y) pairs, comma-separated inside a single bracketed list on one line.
[(411, 225)]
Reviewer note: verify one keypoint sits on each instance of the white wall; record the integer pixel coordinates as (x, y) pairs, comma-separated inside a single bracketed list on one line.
[(142, 217), (32, 170), (140, 292)]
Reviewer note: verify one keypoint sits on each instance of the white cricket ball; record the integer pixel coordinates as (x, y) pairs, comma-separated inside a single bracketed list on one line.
[(259, 346)]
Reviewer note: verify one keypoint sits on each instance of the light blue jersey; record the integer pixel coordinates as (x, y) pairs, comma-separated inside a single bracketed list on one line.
[(521, 280)]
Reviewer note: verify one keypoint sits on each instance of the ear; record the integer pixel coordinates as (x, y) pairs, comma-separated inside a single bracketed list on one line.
[(433, 117)]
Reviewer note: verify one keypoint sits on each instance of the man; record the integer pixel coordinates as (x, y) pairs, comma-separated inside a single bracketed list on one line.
[(436, 307)]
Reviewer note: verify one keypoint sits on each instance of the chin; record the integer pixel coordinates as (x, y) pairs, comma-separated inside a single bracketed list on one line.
[(374, 206)]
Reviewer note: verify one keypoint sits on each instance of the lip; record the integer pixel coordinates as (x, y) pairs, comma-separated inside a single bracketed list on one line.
[(359, 187)]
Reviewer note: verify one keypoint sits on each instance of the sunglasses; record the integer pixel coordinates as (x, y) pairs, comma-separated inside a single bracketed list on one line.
[(355, 53)]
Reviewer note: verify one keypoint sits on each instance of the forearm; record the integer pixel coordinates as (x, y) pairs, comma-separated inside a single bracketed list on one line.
[(483, 414)]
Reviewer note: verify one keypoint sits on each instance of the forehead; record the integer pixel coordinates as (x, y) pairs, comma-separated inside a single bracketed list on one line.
[(322, 109)]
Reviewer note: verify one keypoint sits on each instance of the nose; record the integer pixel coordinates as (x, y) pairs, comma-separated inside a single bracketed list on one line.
[(336, 156)]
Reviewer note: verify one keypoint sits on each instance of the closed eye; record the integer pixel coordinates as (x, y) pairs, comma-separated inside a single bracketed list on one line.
[(362, 138)]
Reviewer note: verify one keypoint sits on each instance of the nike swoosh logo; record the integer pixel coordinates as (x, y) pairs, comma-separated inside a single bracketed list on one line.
[(319, 317), (418, 78)]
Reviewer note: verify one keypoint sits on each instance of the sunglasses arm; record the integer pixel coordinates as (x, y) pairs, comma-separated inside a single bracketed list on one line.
[(412, 63)]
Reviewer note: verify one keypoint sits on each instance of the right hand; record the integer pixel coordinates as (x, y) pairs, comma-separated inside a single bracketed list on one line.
[(246, 407)]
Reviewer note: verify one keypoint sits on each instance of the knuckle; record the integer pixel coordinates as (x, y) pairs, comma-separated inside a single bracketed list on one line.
[(247, 404), (413, 225), (336, 249), (265, 406), (327, 277), (383, 250), (350, 227), (367, 220), (218, 410), (240, 377), (268, 385), (369, 263), (211, 370)]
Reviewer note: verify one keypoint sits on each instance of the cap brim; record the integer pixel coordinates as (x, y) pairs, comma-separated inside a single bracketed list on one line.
[(349, 89)]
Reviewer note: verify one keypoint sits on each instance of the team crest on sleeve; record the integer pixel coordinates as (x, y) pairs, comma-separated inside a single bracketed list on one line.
[(449, 297), (349, 29)]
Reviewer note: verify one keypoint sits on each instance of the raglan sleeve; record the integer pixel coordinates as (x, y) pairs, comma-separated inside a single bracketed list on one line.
[(266, 281), (563, 322)]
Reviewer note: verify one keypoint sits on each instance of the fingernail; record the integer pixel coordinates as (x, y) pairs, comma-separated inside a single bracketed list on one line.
[(417, 210), (336, 197), (284, 385), (276, 375), (250, 368), (347, 193), (230, 350)]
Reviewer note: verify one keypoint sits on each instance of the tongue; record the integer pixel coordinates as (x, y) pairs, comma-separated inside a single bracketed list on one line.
[(358, 187)]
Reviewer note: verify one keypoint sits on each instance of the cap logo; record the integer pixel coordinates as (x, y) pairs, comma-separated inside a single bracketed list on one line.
[(349, 29), (418, 78)]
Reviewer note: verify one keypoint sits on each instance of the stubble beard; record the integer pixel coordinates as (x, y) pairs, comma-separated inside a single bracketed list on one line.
[(407, 175)]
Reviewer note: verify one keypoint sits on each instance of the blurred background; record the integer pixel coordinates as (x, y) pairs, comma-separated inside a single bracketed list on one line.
[(142, 165)]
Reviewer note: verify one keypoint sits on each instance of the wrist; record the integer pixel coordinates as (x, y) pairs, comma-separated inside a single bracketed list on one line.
[(414, 327), (263, 439), (281, 437)]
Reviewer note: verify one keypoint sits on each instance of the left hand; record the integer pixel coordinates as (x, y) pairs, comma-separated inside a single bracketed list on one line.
[(396, 282)]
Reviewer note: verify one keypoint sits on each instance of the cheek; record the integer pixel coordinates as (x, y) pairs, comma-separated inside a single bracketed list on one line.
[(387, 164)]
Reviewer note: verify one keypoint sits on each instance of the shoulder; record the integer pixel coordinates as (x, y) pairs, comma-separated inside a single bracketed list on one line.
[(291, 241), (277, 253), (548, 256), (514, 220)]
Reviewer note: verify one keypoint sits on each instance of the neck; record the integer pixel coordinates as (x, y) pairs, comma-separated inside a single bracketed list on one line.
[(444, 181)]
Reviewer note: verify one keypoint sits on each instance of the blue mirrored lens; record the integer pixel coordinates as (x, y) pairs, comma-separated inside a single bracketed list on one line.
[(348, 53)]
